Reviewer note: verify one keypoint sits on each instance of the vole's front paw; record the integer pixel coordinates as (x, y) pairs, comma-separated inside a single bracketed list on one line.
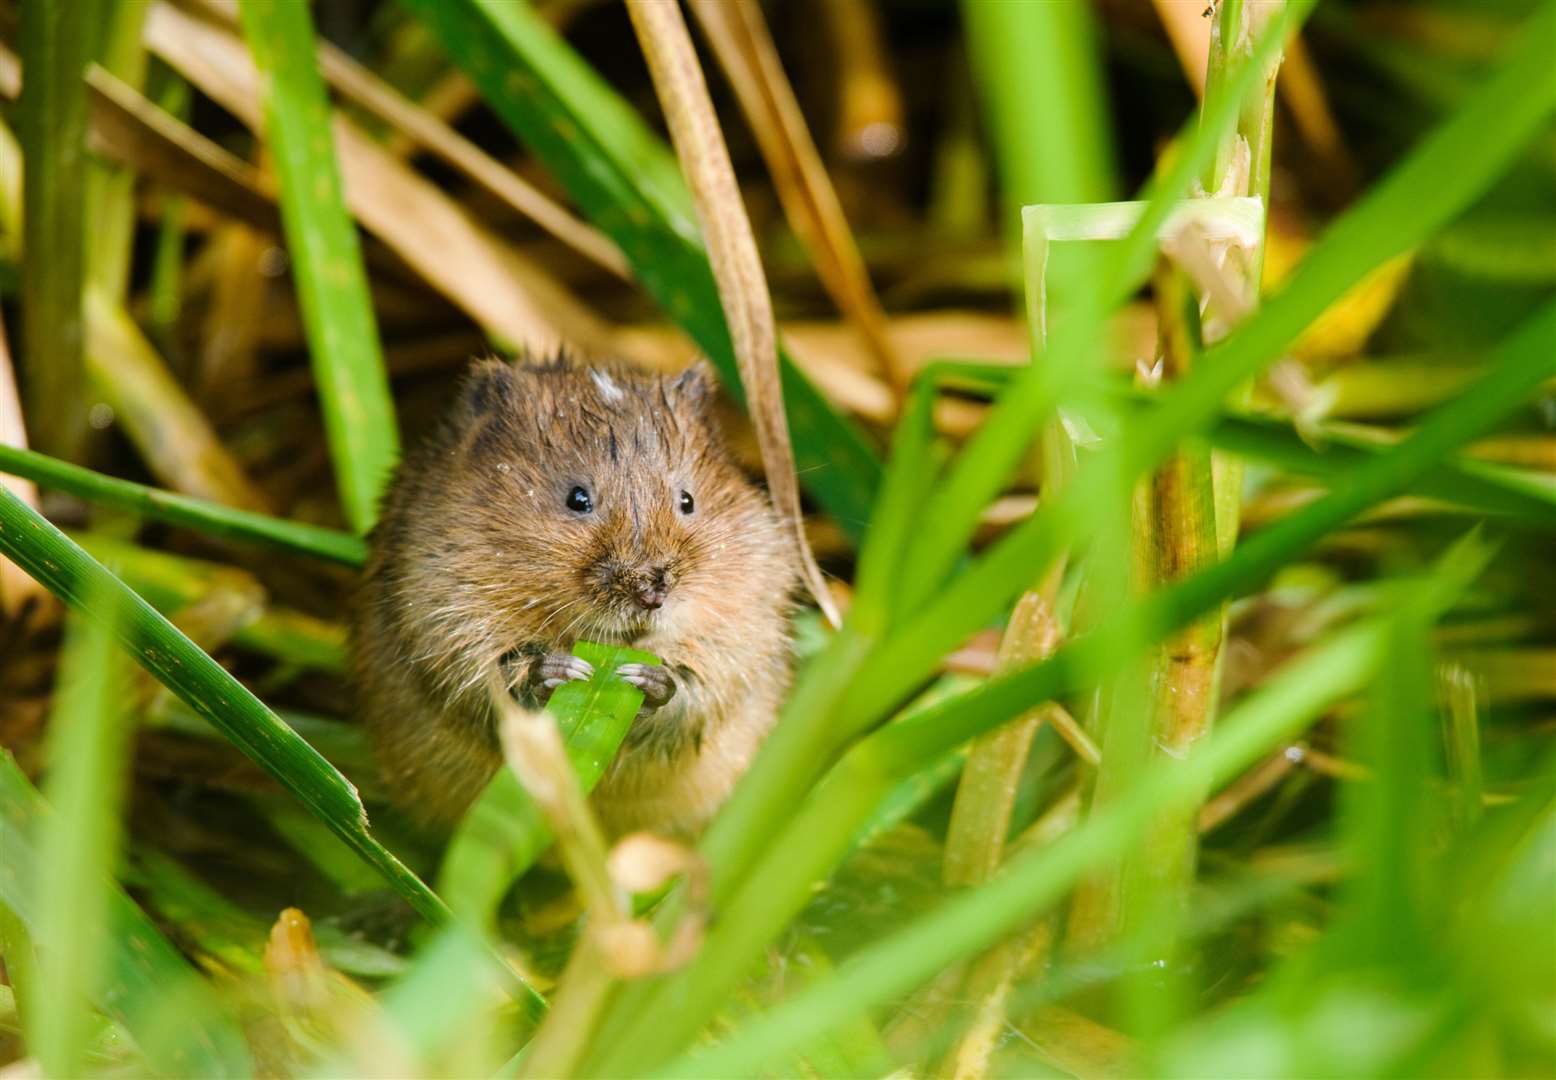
[(554, 669), (656, 682), (534, 673)]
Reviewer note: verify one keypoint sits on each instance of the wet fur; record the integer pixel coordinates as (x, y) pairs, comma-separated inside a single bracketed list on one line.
[(478, 562)]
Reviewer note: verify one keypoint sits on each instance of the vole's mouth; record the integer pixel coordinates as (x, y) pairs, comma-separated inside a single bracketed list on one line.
[(623, 630)]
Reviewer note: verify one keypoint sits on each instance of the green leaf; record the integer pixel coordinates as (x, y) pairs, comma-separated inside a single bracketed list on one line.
[(326, 258), (911, 473), (622, 178), (505, 831)]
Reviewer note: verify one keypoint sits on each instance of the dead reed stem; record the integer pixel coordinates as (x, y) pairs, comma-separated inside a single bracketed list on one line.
[(748, 308)]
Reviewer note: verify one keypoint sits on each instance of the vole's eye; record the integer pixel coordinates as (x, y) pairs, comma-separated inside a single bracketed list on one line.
[(687, 504), (578, 501)]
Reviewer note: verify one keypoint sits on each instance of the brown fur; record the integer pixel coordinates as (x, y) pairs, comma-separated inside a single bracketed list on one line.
[(477, 561)]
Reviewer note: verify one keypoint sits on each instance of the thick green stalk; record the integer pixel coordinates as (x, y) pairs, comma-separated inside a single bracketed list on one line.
[(1193, 503), (980, 816), (980, 822), (332, 288), (56, 42), (1145, 899)]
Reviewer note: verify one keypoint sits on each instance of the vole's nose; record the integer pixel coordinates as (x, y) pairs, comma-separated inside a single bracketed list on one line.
[(652, 589)]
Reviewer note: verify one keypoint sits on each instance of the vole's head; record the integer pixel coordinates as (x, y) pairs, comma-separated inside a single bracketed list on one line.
[(605, 503)]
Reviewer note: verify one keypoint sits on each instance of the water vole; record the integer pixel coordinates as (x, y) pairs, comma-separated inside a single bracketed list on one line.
[(558, 502)]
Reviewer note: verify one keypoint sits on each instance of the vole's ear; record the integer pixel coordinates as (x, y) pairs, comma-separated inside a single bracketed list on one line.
[(492, 386), (695, 389)]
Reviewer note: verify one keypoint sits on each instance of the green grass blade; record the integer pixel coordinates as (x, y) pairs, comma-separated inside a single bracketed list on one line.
[(1386, 824), (89, 733), (1327, 455), (326, 258), (911, 473), (56, 42), (211, 518), (1517, 495), (143, 972), (76, 578), (605, 157), (1043, 87), (505, 831)]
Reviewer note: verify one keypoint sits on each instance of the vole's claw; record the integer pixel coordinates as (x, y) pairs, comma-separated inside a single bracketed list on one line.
[(555, 669), (656, 682)]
